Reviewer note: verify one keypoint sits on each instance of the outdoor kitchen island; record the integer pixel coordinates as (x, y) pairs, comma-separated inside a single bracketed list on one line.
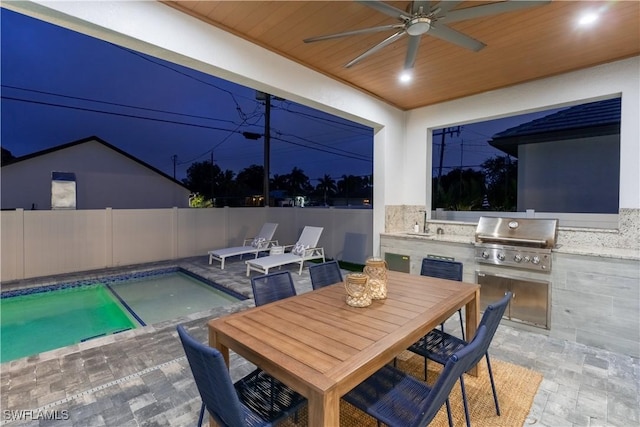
[(593, 292)]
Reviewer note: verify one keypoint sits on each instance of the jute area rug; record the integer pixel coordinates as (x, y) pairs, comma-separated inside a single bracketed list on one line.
[(516, 387)]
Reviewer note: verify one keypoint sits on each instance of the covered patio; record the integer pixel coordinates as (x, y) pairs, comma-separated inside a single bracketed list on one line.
[(140, 377)]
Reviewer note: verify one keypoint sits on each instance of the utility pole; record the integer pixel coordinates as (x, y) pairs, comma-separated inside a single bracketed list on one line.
[(174, 158), (266, 97), (443, 134), (267, 146), (212, 179)]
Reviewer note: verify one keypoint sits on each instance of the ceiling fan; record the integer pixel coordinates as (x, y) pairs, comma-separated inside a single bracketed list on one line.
[(422, 18)]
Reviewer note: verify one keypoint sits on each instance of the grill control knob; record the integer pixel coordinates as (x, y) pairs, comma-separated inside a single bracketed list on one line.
[(501, 257), (526, 258), (485, 254), (517, 258), (535, 260)]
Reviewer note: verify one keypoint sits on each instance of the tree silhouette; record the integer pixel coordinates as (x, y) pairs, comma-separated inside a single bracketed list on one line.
[(352, 186), (250, 180), (225, 190), (201, 178), (298, 182), (327, 187), (501, 177), (279, 182), (459, 190)]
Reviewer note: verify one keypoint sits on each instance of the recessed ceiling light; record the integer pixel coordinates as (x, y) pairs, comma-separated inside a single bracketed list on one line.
[(405, 76), (588, 18)]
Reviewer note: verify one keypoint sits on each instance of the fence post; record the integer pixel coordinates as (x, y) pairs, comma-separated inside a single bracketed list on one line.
[(20, 255), (227, 213), (108, 238), (174, 233)]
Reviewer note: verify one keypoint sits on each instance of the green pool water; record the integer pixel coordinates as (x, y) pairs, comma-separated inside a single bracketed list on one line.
[(165, 297), (31, 324)]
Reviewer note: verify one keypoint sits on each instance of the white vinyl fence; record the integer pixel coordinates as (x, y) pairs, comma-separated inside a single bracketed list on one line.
[(43, 243)]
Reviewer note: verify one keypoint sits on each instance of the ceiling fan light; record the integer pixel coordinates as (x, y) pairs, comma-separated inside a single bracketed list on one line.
[(588, 19), (418, 26), (406, 76)]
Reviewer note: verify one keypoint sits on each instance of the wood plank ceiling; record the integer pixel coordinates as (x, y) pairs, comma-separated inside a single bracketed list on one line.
[(521, 46)]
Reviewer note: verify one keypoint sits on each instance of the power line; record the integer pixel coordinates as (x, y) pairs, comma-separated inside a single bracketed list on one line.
[(324, 151), (324, 145), (113, 113), (116, 104), (161, 64), (231, 131), (326, 119)]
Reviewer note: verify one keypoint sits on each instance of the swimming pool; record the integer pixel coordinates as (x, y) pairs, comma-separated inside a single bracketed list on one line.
[(45, 318)]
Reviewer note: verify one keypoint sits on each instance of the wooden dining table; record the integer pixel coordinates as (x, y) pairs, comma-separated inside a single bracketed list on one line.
[(321, 347)]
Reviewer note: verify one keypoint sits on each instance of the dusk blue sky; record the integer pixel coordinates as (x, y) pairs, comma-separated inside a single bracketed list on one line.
[(60, 86)]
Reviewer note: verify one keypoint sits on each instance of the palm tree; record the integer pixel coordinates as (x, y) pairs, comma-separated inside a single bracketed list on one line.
[(279, 182), (298, 182), (327, 186)]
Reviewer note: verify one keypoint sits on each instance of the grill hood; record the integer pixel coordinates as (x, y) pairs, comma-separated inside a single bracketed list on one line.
[(536, 233)]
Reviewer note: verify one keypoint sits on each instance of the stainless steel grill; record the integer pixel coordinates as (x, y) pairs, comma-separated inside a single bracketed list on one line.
[(521, 243)]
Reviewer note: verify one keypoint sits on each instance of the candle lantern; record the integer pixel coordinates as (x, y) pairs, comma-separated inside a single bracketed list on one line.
[(357, 287), (376, 270)]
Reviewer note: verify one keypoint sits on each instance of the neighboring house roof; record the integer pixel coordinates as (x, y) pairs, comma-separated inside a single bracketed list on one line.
[(93, 139), (585, 120)]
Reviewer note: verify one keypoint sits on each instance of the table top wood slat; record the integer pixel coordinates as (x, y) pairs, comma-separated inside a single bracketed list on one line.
[(298, 351), (375, 330), (385, 320), (315, 334)]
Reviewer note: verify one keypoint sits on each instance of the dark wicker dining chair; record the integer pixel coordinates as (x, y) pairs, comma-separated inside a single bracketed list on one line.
[(444, 269), (439, 346), (324, 274), (258, 399), (398, 399), (272, 287)]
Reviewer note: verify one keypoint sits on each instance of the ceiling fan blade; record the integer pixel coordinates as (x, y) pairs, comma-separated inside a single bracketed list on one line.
[(376, 48), (354, 32), (445, 6), (412, 52), (490, 9), (447, 34), (387, 9)]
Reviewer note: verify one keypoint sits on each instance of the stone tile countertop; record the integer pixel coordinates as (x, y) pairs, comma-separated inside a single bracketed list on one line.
[(606, 252), (452, 238), (620, 253)]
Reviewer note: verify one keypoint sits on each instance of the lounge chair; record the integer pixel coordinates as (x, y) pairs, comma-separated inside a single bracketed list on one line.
[(262, 242), (304, 250)]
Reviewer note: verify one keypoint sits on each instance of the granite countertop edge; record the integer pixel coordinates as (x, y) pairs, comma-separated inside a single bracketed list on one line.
[(605, 252)]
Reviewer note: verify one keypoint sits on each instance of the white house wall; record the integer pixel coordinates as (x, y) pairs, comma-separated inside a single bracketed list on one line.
[(104, 178), (569, 175)]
